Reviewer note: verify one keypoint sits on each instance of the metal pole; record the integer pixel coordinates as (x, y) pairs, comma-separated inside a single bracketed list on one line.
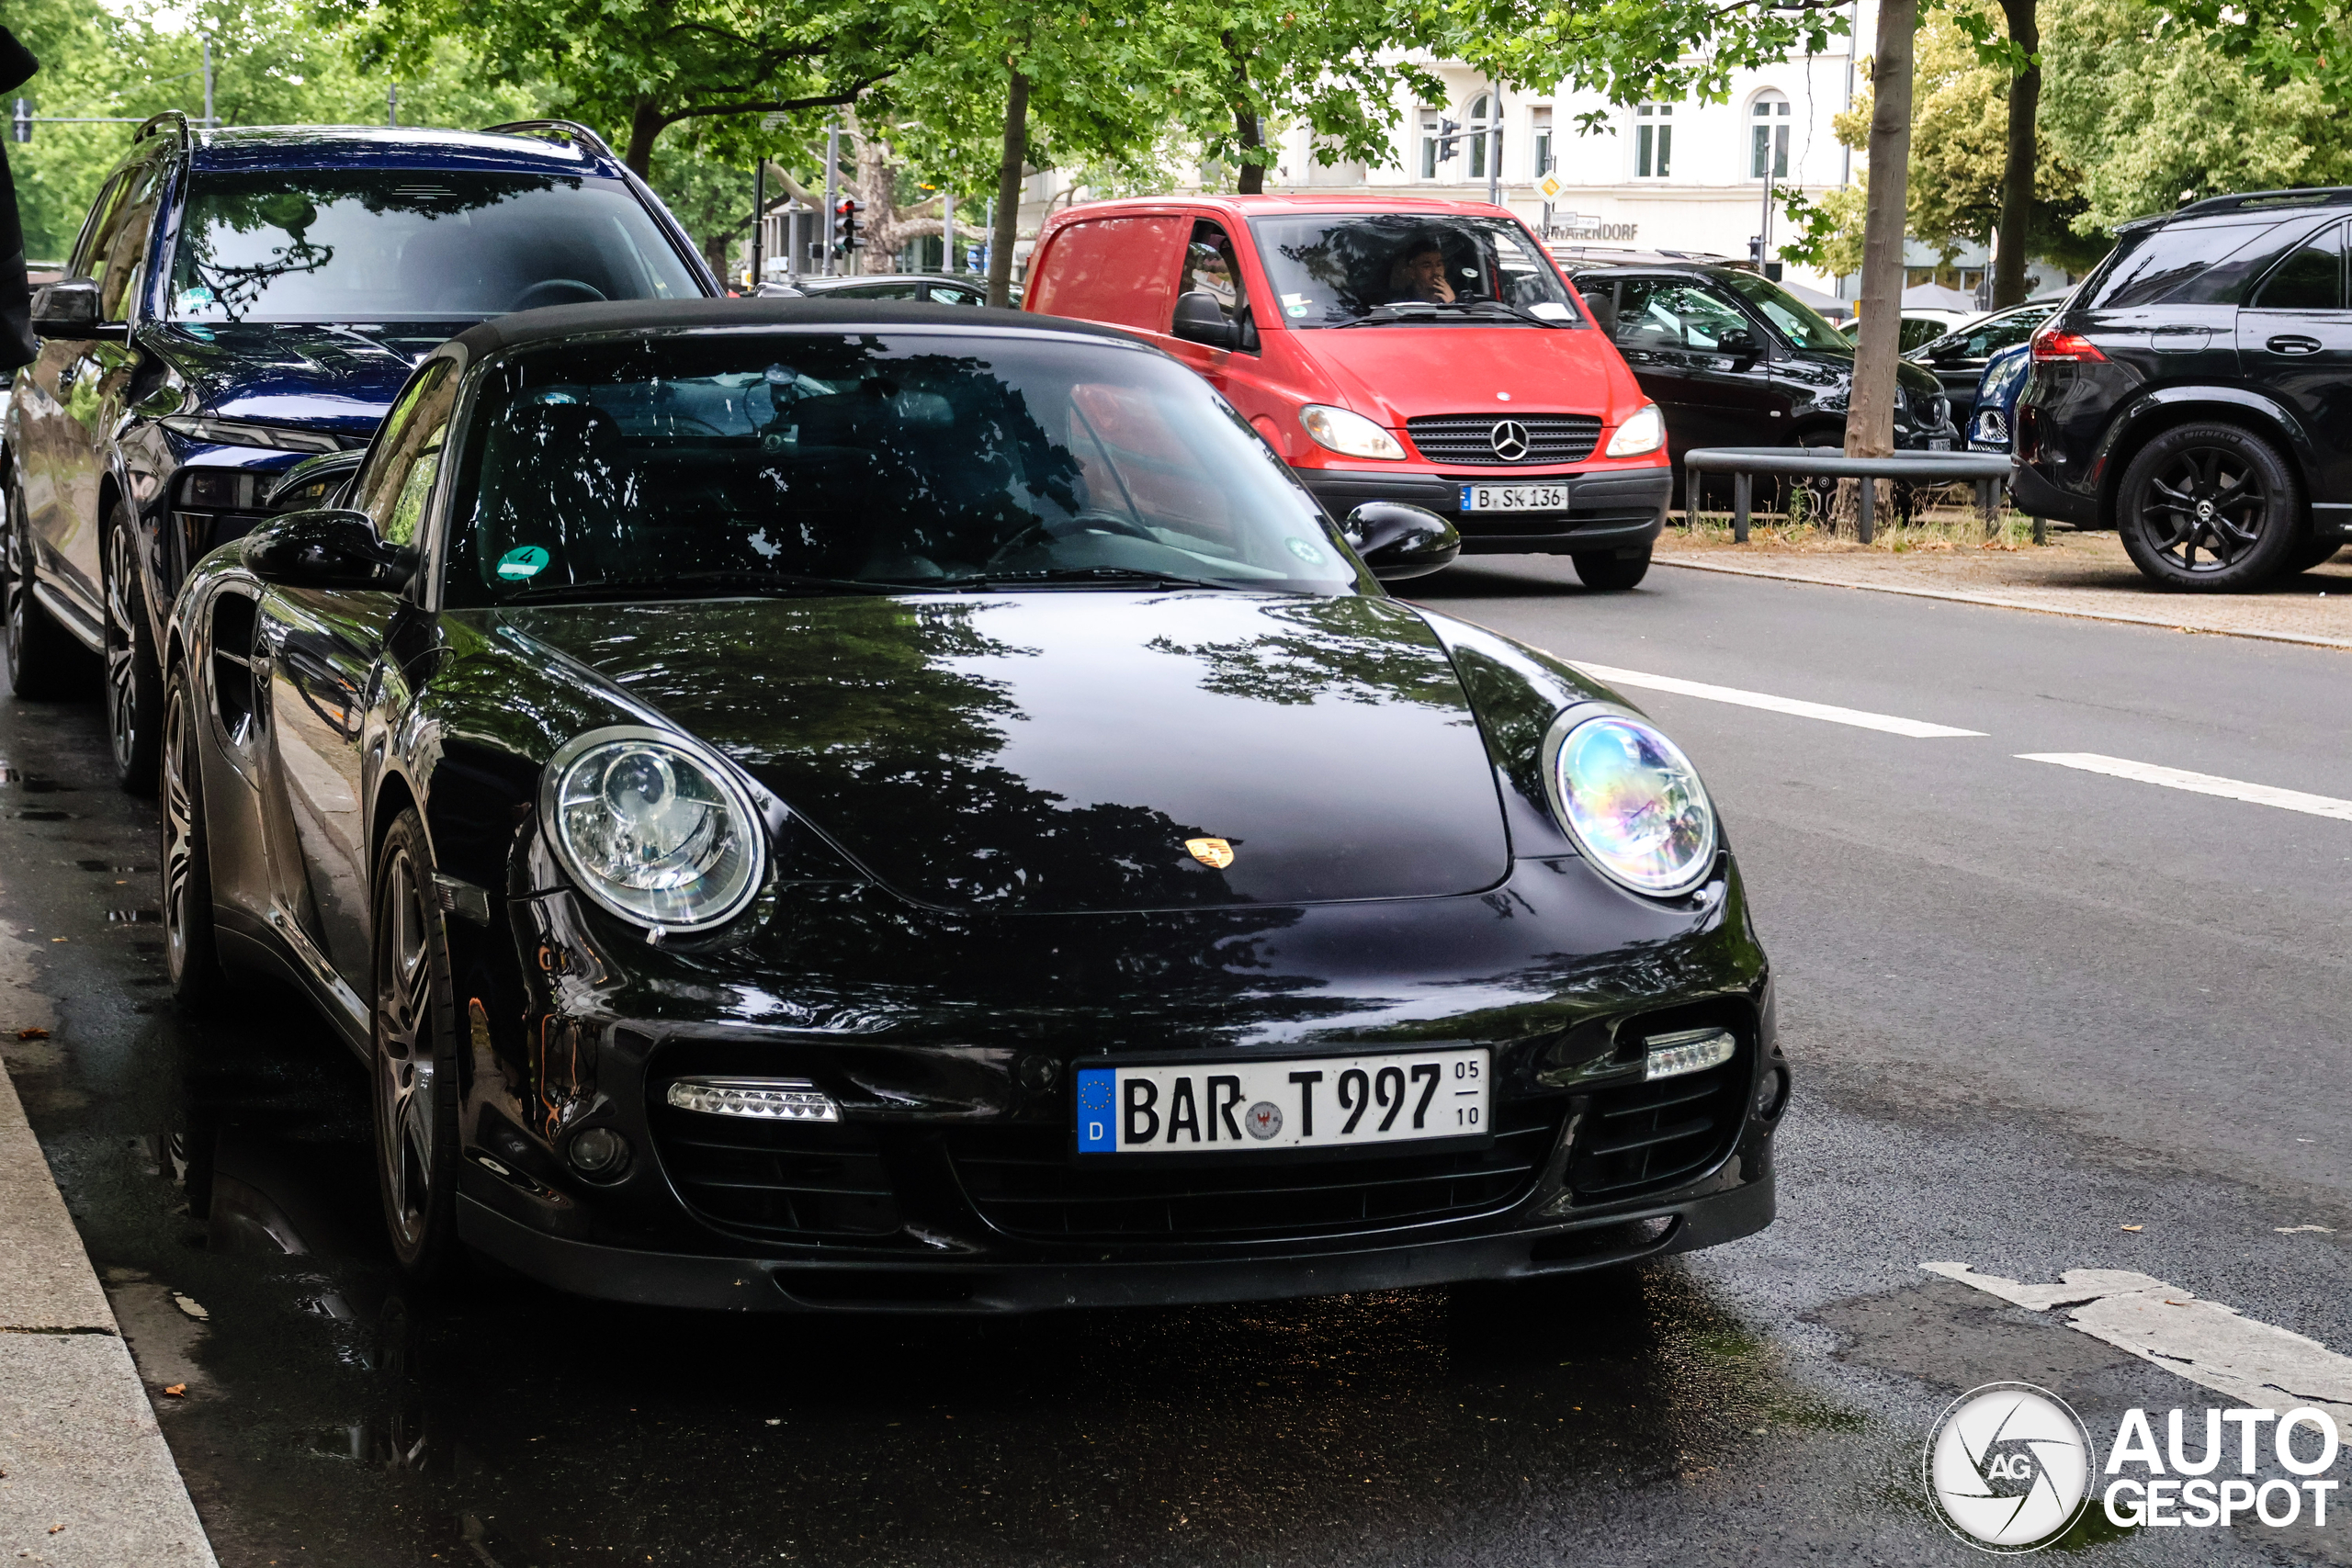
[(391, 105), (759, 217), (209, 118), (1866, 500), (1764, 224), (1743, 493), (947, 232), (1494, 144), (832, 189)]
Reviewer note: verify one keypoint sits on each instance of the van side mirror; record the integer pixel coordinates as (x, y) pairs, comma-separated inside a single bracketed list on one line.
[(1398, 541), (327, 548), (69, 309), (1200, 319)]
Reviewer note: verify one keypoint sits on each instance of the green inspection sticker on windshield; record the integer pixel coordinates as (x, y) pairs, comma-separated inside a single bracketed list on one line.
[(523, 562)]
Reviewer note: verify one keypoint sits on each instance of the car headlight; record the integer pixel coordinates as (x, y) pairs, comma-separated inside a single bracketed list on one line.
[(1351, 434), (1631, 800), (1644, 430), (656, 831)]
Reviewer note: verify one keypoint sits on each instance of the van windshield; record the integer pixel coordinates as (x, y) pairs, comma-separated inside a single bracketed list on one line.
[(1395, 268), (428, 245)]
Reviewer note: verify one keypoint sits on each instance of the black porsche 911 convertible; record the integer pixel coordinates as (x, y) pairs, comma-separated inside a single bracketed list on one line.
[(806, 806)]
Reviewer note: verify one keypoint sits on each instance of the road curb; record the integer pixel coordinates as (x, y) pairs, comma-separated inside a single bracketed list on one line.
[(1997, 603), (87, 1480)]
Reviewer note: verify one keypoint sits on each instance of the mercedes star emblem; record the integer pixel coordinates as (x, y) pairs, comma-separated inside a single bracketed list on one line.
[(1509, 439)]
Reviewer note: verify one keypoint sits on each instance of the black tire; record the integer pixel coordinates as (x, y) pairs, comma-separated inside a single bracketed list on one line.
[(134, 680), (2312, 553), (2210, 509), (191, 956), (44, 662), (1607, 571), (414, 1057)]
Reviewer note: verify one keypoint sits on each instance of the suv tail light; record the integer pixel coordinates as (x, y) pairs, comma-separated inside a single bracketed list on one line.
[(2051, 345)]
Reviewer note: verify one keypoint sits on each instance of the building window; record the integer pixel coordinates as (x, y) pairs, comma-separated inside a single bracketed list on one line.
[(1768, 155), (1540, 144), (1652, 140), (1479, 122), (1430, 119)]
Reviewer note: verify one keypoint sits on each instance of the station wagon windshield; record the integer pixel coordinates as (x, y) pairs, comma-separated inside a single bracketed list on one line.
[(777, 463), (402, 246), (1798, 321), (1396, 269)]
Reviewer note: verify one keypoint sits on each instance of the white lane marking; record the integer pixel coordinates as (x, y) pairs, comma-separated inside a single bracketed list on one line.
[(1915, 729), (2206, 1342), (2199, 783)]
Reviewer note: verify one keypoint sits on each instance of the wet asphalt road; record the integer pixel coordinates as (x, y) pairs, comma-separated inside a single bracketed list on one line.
[(2028, 1007)]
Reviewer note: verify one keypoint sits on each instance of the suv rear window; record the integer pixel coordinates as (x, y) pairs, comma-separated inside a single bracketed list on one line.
[(2161, 263)]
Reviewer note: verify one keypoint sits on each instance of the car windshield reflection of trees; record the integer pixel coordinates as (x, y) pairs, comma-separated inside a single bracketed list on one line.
[(825, 462)]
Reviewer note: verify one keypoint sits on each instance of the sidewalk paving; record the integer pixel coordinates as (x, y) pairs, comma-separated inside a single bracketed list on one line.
[(86, 1479), (2076, 574)]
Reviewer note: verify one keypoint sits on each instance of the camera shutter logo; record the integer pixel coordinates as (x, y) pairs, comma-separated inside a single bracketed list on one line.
[(1508, 438), (2009, 1467)]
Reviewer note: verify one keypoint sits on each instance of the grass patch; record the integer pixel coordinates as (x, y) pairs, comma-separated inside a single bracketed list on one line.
[(1946, 522)]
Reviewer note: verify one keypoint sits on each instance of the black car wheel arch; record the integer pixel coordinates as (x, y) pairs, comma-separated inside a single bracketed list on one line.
[(2210, 507), (44, 662)]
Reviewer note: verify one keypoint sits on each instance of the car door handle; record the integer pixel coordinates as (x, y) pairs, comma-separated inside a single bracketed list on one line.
[(2291, 345)]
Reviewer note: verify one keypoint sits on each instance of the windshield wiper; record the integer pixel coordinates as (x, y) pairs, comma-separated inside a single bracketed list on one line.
[(1430, 311), (776, 583), (1074, 575)]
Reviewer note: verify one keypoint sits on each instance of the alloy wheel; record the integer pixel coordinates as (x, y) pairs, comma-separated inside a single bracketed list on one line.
[(179, 829), (405, 1101), (2205, 498), (121, 651), (12, 580)]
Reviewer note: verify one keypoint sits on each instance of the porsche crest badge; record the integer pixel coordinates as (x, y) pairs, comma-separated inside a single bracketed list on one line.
[(1214, 853)]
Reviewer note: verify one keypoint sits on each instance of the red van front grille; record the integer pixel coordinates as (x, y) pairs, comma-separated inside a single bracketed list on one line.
[(1471, 437)]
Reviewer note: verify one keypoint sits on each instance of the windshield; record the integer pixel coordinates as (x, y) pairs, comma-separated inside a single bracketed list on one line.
[(745, 463), (1331, 271), (1797, 322), (427, 245)]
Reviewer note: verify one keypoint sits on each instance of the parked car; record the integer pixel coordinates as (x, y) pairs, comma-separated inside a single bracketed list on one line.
[(1417, 351), (2196, 392), (239, 300), (934, 288), (1734, 360), (1957, 358), (1992, 423), (749, 757)]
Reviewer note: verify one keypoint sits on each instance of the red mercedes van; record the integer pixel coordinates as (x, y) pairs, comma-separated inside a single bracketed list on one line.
[(1391, 349)]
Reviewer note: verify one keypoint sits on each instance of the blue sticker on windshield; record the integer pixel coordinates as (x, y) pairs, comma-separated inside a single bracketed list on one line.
[(523, 561), (1304, 551)]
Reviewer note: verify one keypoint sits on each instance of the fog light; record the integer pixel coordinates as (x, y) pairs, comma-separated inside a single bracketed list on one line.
[(599, 1151), (775, 1099), (1687, 1051)]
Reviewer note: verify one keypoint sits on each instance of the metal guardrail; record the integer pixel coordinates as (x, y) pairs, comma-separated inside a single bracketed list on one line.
[(1989, 471)]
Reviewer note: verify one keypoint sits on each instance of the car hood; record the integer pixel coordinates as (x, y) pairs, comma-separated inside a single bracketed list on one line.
[(1054, 751), (335, 379), (1406, 371)]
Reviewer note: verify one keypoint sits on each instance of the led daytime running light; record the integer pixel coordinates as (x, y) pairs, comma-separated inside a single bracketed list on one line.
[(764, 1099), (1685, 1051)]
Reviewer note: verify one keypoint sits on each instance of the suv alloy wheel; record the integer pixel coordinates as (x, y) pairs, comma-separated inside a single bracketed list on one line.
[(134, 684), (2210, 509)]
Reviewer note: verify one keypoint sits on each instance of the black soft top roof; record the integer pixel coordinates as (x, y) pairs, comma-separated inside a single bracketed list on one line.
[(557, 323)]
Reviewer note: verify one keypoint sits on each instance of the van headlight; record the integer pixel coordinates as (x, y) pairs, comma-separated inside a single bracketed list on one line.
[(1339, 430), (1644, 430), (655, 828), (1631, 800)]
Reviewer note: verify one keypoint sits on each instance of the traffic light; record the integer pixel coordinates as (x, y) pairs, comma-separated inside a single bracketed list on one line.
[(846, 237), (1449, 137), (1755, 252), (21, 127)]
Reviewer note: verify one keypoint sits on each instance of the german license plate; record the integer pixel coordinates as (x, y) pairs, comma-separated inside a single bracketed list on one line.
[(1234, 1106), (1514, 498), (1938, 442)]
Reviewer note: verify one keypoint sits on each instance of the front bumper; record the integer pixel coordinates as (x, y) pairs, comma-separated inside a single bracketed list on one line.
[(1617, 510)]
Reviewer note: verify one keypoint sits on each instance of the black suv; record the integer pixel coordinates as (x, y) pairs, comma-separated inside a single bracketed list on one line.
[(238, 299), (2196, 392), (1732, 359)]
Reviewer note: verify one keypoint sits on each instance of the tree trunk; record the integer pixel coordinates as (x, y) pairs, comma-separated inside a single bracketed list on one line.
[(1246, 129), (645, 123), (1008, 191), (2017, 179), (1870, 412)]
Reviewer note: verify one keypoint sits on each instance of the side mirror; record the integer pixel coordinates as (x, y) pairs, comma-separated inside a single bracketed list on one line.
[(329, 548), (69, 309), (1740, 344), (1200, 319), (1398, 541)]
